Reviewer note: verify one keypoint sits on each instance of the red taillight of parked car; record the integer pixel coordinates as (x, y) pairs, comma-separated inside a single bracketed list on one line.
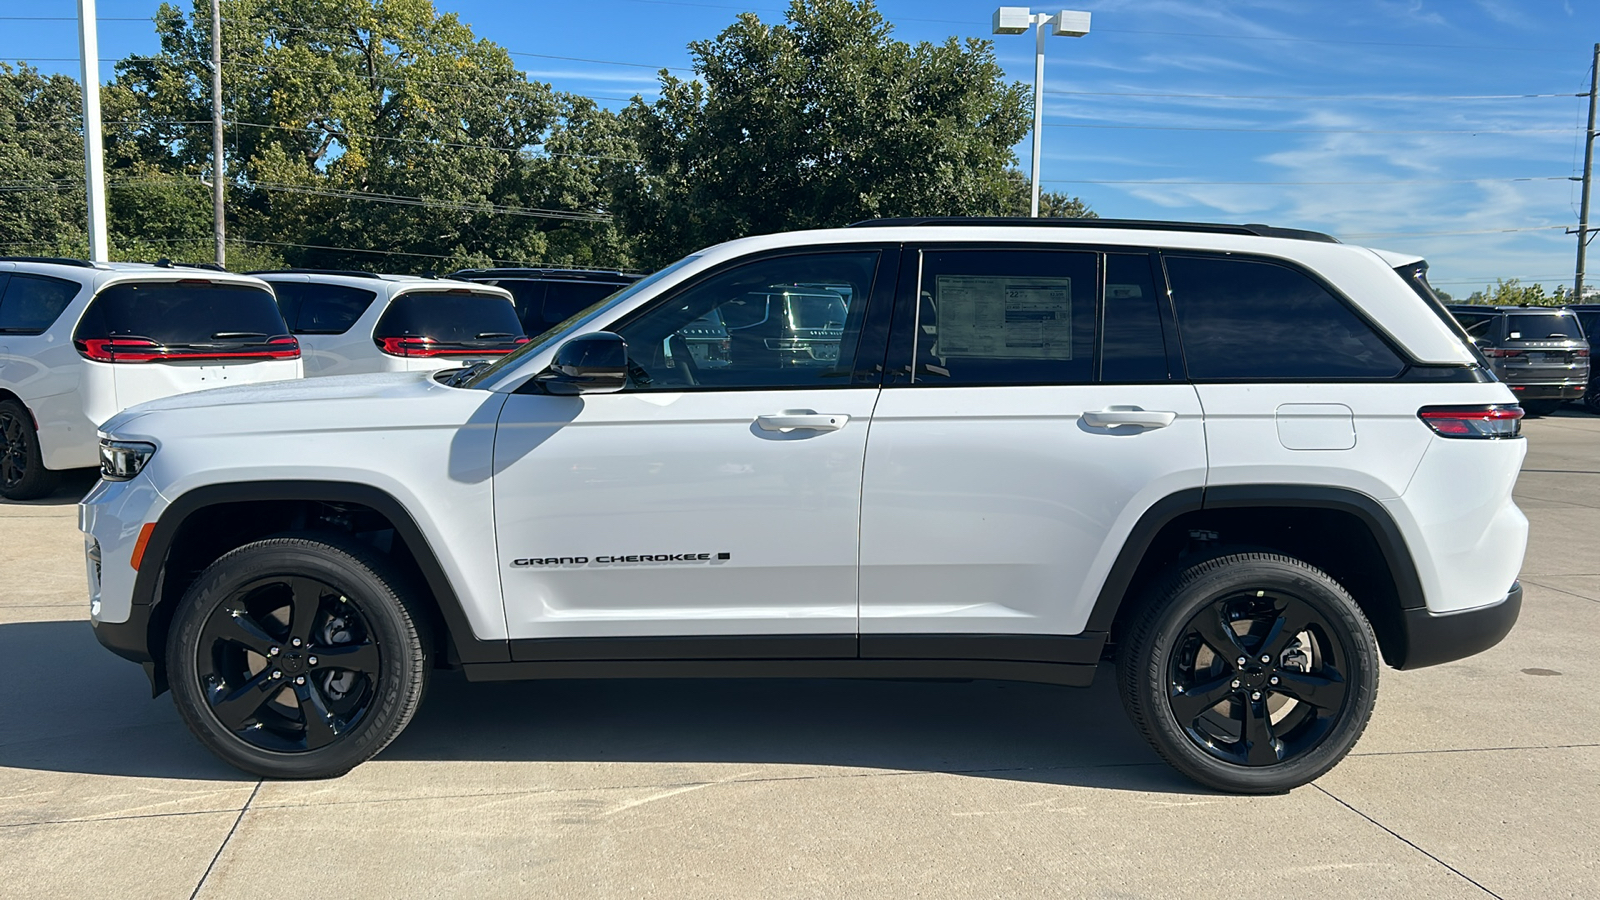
[(138, 350), (1473, 421), (428, 347)]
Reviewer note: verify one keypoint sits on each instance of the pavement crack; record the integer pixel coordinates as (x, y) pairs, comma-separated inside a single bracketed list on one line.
[(1549, 587), (91, 820), (224, 845), (1407, 841)]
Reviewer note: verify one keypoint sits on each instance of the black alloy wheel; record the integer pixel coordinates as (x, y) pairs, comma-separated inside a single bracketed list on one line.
[(1591, 398), (1249, 672), (297, 657), (1258, 678), (22, 472), (288, 663)]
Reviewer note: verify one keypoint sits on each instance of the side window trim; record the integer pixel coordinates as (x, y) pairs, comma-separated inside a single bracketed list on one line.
[(1383, 336), (871, 347)]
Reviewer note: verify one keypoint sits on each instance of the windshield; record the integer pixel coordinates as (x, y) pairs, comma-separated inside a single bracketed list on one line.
[(1551, 326), (539, 341), (183, 312)]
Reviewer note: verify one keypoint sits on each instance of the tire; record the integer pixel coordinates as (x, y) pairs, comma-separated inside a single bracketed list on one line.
[(1320, 682), (1533, 409), (1591, 399), (237, 625), (22, 472)]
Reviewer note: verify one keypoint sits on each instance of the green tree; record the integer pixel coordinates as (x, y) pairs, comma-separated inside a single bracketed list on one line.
[(818, 122), (1514, 293), (42, 208), (378, 126)]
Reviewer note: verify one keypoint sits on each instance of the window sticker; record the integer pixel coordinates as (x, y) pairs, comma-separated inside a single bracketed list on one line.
[(1124, 292), (1003, 317)]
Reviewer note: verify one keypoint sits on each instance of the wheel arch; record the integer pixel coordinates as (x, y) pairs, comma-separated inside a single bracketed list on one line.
[(234, 514), (1345, 533)]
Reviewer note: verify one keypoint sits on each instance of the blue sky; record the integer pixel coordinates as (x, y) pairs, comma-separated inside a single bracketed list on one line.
[(1417, 125)]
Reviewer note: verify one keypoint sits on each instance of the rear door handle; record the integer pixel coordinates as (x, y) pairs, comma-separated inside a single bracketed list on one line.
[(801, 420), (1112, 416)]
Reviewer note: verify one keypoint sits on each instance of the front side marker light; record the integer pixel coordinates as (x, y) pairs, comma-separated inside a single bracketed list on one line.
[(122, 460), (141, 544), (1473, 421)]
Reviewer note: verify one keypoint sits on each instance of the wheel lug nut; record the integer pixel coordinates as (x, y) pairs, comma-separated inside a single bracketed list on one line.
[(1236, 682), (296, 642), (313, 661), (302, 680), (1254, 696), (273, 652), (276, 674), (1265, 658), (1274, 679), (1242, 660)]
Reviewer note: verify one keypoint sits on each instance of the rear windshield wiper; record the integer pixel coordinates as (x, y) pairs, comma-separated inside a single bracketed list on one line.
[(235, 335), (484, 335)]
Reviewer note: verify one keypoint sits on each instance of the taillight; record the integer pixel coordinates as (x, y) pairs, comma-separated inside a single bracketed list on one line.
[(1580, 354), (133, 350), (428, 347), (1473, 421), (1500, 353)]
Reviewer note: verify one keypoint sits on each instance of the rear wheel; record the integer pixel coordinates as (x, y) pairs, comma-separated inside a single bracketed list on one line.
[(22, 472), (296, 658), (1251, 673), (1591, 399)]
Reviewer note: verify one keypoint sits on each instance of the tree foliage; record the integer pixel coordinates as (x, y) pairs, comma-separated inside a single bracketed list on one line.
[(818, 122), (1514, 293)]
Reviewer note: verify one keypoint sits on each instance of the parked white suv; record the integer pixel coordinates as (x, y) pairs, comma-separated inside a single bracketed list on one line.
[(1245, 463), (351, 323), (80, 341)]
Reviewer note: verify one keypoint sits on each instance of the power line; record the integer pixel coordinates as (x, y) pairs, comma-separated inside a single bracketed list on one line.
[(1310, 130), (75, 18), (1398, 98), (1386, 234), (1395, 181), (410, 200)]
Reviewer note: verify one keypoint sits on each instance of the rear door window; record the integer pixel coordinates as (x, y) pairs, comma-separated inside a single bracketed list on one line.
[(458, 318), (30, 304), (1542, 327), (1478, 326), (177, 314), (321, 308), (1132, 348), (1243, 319)]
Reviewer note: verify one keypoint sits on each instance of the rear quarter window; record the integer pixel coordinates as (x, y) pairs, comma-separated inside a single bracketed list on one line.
[(449, 316), (321, 308), (1241, 320), (30, 304), (181, 312)]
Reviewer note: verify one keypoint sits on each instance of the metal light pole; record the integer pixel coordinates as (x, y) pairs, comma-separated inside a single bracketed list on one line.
[(1588, 175), (219, 224), (94, 155), (1017, 20)]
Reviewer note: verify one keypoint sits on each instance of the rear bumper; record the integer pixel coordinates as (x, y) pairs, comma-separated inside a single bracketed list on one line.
[(1432, 638), (1547, 391)]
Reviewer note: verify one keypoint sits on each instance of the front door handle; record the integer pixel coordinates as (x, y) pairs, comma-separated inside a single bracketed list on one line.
[(801, 419), (1112, 416)]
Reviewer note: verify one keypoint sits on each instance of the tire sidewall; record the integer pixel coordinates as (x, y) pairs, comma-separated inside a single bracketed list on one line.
[(1200, 586), (399, 680), (37, 481)]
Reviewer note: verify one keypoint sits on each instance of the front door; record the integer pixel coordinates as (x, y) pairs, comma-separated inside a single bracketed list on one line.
[(717, 497), (1031, 418)]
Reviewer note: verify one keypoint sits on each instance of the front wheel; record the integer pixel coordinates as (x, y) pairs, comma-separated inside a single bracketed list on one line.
[(296, 657), (1252, 673)]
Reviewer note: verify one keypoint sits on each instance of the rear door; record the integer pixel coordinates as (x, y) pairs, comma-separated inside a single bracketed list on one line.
[(1030, 418), (161, 338), (321, 317)]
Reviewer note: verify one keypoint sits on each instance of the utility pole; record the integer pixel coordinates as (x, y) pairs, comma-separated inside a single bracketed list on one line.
[(1588, 173), (94, 154), (218, 165)]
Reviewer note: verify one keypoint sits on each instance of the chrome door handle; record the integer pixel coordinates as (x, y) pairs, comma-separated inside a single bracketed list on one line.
[(1112, 416), (801, 419)]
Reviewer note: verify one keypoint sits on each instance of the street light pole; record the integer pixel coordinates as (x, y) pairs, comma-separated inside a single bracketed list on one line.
[(1017, 20), (94, 154)]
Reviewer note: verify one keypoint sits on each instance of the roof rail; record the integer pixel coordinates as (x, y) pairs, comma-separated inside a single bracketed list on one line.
[(1138, 224), (56, 260), (575, 273), (348, 273)]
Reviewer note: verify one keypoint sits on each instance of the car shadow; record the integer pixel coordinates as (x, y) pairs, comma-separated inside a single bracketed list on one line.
[(71, 706), (74, 484)]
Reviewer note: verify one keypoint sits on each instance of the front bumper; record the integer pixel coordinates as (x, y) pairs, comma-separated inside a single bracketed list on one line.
[(1433, 638), (131, 641)]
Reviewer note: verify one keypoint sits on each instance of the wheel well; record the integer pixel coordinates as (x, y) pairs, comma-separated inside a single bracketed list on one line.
[(211, 531), (1336, 541)]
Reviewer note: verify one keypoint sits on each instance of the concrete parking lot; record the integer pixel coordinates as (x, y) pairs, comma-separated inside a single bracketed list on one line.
[(1479, 778)]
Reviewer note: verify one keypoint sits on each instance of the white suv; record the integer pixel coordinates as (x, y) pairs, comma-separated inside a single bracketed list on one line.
[(1245, 463), (350, 323), (80, 341)]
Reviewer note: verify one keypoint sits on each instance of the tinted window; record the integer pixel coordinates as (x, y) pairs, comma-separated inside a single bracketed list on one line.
[(1005, 317), (1478, 326), (784, 322), (1591, 324), (1132, 346), (180, 313), (1243, 319), (564, 298), (321, 308), (32, 303), (1530, 327), (450, 317)]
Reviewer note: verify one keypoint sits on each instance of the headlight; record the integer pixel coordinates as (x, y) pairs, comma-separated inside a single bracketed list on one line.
[(121, 460)]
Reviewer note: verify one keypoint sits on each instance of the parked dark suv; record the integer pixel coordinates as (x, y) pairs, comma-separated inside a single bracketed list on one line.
[(1538, 351), (547, 297), (1589, 317)]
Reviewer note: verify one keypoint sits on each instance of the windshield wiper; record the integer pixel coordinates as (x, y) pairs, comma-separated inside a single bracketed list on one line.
[(234, 335), (461, 376), (483, 335)]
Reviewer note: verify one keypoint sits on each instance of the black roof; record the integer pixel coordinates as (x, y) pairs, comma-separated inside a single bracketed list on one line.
[(608, 276), (1131, 224), (56, 260), (348, 273)]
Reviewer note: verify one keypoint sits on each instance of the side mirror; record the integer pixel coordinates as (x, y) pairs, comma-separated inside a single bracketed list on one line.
[(588, 364)]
